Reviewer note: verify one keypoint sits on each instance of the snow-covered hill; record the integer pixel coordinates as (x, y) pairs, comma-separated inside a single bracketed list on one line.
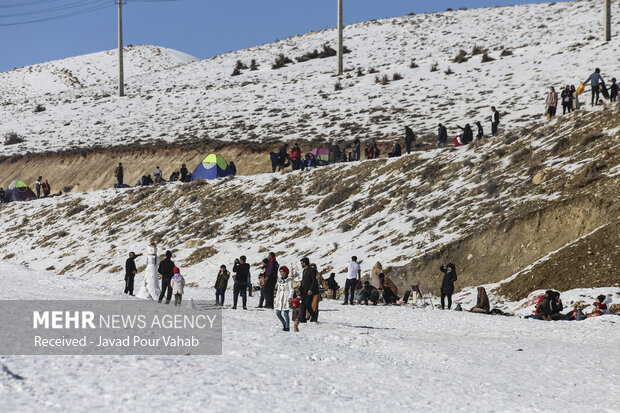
[(91, 73), (356, 359), (533, 47), (494, 208)]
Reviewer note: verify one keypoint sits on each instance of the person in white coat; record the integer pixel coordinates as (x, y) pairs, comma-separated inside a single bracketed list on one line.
[(282, 303), (150, 285), (177, 284)]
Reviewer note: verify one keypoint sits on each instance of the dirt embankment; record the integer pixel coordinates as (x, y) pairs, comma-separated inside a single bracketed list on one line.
[(512, 243), (91, 169)]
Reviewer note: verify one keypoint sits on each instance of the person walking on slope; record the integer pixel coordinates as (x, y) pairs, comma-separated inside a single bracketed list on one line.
[(271, 278), (468, 134), (221, 283), (480, 133), (130, 272), (447, 285), (442, 136), (37, 186), (354, 273), (119, 174), (166, 270), (284, 298), (178, 284), (409, 138), (567, 100), (613, 90), (551, 101), (242, 274), (309, 286), (494, 121), (595, 80)]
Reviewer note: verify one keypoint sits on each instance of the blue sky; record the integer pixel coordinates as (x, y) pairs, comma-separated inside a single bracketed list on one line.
[(201, 28)]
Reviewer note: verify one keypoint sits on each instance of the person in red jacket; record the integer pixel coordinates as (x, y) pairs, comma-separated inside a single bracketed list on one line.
[(46, 189)]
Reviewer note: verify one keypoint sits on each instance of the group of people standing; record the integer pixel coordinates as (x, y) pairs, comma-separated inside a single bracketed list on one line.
[(569, 96), (183, 175)]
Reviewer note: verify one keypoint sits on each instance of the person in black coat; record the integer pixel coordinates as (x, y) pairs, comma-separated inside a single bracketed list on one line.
[(184, 173), (442, 136), (332, 285), (409, 138), (447, 285), (130, 272), (480, 133), (166, 268), (567, 100), (242, 274), (396, 150), (468, 134), (119, 174), (494, 121), (309, 287)]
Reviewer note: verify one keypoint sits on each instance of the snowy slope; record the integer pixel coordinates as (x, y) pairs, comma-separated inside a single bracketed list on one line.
[(542, 45), (356, 359), (388, 210), (87, 73)]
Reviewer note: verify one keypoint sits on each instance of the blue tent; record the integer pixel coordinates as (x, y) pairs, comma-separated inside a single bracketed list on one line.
[(213, 166)]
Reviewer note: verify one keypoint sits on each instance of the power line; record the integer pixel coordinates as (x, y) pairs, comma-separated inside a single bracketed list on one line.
[(7, 6), (54, 9), (60, 16)]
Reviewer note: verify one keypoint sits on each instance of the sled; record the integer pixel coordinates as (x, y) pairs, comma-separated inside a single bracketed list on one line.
[(581, 88), (604, 91), (457, 140)]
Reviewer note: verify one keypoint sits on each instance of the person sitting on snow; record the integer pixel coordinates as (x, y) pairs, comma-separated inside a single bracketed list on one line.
[(369, 293), (600, 306), (396, 150), (482, 302), (390, 292)]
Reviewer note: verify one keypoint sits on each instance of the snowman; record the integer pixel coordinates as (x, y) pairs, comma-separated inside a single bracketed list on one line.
[(150, 285)]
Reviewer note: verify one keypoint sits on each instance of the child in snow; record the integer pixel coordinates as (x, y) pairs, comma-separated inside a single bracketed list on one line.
[(298, 311), (600, 305), (221, 284), (613, 95), (177, 283)]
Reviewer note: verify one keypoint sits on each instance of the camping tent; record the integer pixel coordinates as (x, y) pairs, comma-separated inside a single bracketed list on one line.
[(213, 166), (18, 191), (320, 155)]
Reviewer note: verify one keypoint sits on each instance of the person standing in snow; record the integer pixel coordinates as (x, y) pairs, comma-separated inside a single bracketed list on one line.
[(261, 283), (613, 90), (354, 273), (480, 133), (332, 285), (468, 134), (2, 195), (46, 188), (271, 278), (221, 284), (355, 150), (409, 138), (119, 174), (447, 285), (390, 291), (334, 153), (150, 285), (575, 97), (551, 101), (442, 136), (184, 173), (595, 80), (567, 100), (165, 269), (157, 175), (241, 269), (494, 121), (308, 287), (178, 285), (284, 297), (37, 186), (130, 272)]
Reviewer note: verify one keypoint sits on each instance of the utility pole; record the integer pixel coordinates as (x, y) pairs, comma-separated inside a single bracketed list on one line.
[(340, 37), (607, 23), (121, 77)]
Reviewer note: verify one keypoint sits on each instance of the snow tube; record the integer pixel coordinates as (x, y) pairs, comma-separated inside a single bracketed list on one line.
[(604, 91), (581, 88)]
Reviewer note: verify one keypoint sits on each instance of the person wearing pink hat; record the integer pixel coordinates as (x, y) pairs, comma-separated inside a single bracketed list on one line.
[(284, 297)]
